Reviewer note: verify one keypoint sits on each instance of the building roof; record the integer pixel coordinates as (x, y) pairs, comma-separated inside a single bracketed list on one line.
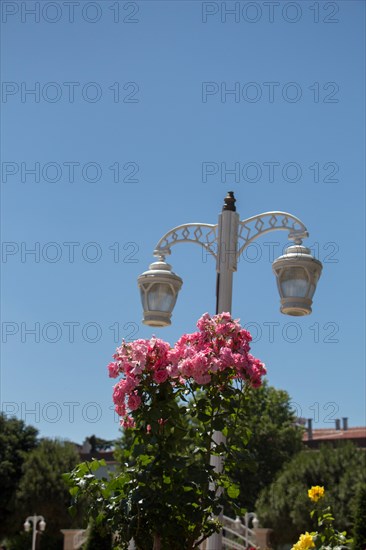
[(87, 454), (326, 433), (322, 435), (108, 456)]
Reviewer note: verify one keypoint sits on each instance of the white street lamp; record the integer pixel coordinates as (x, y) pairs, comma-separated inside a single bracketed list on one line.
[(297, 272), (159, 288), (34, 520), (297, 275)]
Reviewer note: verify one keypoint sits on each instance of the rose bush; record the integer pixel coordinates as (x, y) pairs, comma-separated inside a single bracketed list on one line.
[(168, 493)]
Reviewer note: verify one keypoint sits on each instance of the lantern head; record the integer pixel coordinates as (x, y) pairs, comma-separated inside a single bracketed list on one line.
[(297, 273), (159, 288)]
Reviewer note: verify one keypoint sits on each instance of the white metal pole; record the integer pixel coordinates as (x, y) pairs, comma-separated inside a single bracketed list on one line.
[(226, 265), (226, 258), (34, 534)]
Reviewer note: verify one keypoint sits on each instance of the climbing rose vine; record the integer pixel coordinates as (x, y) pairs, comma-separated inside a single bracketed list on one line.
[(171, 402), (219, 347)]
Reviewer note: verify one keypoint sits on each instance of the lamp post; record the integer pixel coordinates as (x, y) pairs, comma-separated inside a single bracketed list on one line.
[(297, 272), (34, 520)]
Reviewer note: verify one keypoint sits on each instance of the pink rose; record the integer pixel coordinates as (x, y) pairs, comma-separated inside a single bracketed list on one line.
[(160, 376), (113, 369), (134, 401)]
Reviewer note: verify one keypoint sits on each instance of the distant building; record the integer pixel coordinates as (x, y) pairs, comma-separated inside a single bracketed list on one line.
[(315, 437), (87, 454)]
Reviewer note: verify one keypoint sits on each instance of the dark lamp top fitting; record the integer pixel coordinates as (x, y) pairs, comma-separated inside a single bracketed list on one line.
[(229, 201)]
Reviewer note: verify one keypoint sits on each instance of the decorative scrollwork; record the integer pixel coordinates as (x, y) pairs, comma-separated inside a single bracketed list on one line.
[(203, 234), (252, 228), (206, 235)]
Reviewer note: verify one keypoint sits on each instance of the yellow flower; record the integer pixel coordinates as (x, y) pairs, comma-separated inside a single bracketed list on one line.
[(304, 542), (315, 493)]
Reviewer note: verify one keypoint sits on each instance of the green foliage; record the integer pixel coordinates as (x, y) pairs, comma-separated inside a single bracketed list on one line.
[(268, 432), (284, 506), (30, 481), (263, 437), (42, 488), (20, 541), (16, 440), (165, 495), (326, 536), (99, 444), (359, 531), (99, 538)]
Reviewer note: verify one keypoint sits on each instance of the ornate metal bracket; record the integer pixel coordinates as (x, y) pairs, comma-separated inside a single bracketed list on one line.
[(203, 234), (259, 225), (250, 229)]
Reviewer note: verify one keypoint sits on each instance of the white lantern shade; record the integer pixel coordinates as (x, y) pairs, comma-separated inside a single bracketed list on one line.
[(160, 297), (27, 525), (297, 273), (159, 288)]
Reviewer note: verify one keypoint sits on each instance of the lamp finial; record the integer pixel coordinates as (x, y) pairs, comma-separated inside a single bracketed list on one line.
[(229, 201)]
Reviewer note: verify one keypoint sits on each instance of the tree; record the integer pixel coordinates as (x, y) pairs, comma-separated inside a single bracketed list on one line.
[(42, 488), (16, 440), (284, 507), (265, 435), (99, 444), (359, 531), (99, 538), (273, 440)]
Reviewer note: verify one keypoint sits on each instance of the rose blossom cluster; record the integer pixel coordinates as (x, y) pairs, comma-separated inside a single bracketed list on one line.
[(220, 345)]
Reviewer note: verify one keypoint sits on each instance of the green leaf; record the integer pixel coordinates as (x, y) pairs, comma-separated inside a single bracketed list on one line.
[(203, 417), (233, 491), (100, 517), (95, 464), (145, 459), (74, 491), (218, 423), (72, 511)]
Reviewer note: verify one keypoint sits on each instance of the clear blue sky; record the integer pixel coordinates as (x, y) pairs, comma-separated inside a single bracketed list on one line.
[(124, 84)]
